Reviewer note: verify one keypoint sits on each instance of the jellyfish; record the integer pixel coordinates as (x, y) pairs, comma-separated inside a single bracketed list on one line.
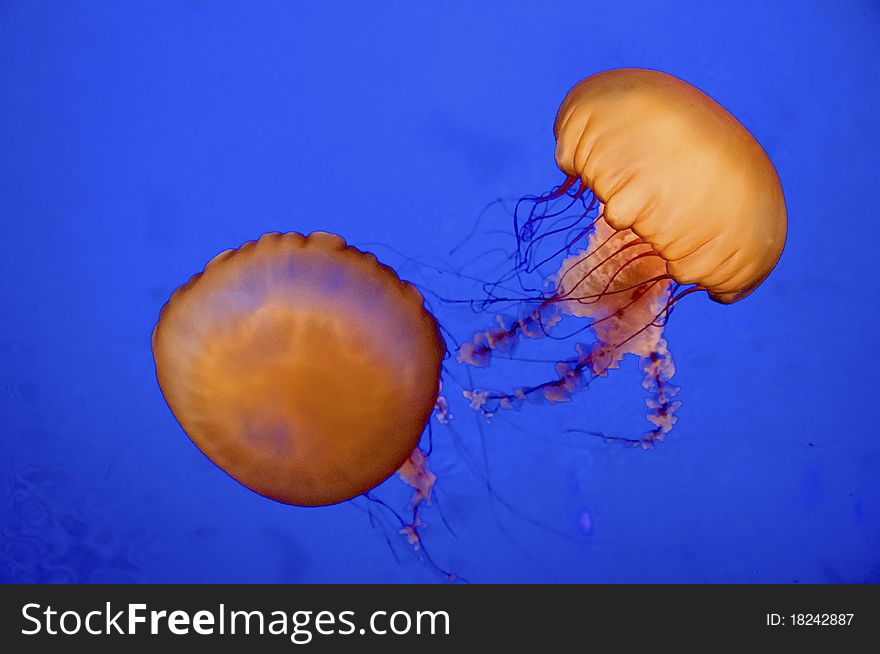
[(666, 195), (303, 368)]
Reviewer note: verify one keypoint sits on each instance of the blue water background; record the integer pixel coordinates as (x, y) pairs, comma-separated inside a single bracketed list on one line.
[(139, 139)]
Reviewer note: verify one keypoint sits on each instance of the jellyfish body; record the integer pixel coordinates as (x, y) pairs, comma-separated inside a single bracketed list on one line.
[(301, 366), (666, 194), (674, 166)]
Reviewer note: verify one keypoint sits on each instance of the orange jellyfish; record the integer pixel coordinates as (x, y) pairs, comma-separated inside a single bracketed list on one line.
[(304, 368), (667, 194)]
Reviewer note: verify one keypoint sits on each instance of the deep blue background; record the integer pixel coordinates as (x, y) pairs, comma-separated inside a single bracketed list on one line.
[(137, 140)]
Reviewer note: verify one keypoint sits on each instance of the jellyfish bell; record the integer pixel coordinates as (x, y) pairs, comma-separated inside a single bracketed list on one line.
[(667, 194), (301, 366), (681, 172)]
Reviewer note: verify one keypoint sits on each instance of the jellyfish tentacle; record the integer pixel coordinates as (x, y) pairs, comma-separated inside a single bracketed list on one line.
[(410, 529), (605, 353), (416, 473), (543, 209), (537, 323), (659, 369), (606, 290)]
